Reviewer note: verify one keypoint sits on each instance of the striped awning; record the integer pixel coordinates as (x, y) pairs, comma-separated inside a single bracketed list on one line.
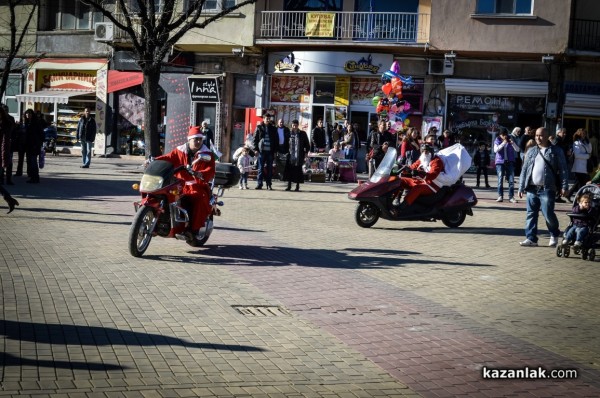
[(51, 96)]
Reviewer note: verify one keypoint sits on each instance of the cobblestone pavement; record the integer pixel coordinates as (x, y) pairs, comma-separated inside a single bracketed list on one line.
[(289, 298)]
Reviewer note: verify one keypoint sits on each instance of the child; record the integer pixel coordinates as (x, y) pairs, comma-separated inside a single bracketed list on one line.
[(482, 160), (245, 165), (335, 154), (581, 226)]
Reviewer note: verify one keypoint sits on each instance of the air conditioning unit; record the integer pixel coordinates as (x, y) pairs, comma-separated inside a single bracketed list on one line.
[(441, 67), (104, 31)]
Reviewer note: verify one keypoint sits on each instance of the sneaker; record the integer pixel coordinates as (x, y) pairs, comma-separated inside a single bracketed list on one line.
[(500, 199), (241, 187), (578, 243), (512, 200), (246, 187), (565, 242), (528, 243), (552, 242)]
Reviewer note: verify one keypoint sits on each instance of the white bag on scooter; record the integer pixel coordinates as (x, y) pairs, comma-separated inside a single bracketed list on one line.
[(456, 163)]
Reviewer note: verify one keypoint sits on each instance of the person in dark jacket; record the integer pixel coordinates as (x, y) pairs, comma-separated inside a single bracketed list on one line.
[(266, 144), (86, 134), (7, 125), (481, 160), (34, 139), (318, 142), (299, 146)]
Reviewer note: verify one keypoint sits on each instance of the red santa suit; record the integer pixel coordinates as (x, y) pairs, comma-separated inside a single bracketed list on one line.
[(196, 189), (427, 185)]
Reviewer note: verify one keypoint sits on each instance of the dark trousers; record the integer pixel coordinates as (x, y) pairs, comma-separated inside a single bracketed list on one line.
[(484, 170), (20, 159), (33, 170)]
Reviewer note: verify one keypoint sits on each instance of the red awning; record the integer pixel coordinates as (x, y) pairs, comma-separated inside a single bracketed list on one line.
[(121, 80)]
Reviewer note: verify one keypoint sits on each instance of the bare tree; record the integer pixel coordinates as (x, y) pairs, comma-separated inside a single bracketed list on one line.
[(153, 32), (20, 15)]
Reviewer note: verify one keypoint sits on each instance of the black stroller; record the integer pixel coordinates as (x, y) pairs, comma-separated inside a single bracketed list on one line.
[(587, 249)]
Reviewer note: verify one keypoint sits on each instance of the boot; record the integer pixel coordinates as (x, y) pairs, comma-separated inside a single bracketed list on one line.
[(289, 187), (328, 175), (12, 202), (297, 187)]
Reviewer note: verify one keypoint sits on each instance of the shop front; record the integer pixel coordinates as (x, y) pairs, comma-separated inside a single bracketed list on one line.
[(581, 107), (478, 109), (61, 89)]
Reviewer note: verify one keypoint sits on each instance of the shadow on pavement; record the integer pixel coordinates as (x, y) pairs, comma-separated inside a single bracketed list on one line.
[(12, 360), (270, 256)]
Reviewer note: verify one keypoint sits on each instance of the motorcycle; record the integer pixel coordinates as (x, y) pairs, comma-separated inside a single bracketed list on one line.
[(160, 211), (451, 204)]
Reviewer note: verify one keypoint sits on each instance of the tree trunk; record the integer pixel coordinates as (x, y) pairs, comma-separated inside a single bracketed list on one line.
[(151, 87)]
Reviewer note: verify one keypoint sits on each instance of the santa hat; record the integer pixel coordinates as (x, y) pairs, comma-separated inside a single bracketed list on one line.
[(194, 132)]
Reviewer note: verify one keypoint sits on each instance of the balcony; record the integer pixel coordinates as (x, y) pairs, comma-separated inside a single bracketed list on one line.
[(372, 27), (585, 35)]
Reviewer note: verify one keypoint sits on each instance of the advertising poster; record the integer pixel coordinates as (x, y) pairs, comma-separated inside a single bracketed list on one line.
[(293, 89), (319, 24)]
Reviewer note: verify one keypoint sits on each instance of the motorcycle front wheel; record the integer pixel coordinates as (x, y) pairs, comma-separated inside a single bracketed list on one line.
[(366, 214), (140, 232), (454, 219)]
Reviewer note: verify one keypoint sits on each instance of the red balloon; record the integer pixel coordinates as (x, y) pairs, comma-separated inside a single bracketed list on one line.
[(387, 88)]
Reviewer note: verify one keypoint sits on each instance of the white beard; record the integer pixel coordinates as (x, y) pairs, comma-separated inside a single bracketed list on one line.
[(425, 159)]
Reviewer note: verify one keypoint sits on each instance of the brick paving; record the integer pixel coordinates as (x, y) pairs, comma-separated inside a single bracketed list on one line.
[(400, 309)]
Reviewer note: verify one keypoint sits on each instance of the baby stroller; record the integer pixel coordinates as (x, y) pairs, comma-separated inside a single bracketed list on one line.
[(588, 246)]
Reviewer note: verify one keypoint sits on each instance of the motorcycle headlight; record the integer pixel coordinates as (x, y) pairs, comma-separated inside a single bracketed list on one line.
[(150, 183)]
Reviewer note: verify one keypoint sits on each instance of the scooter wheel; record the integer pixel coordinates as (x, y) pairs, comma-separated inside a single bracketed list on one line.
[(140, 232), (592, 254), (454, 219), (366, 214), (559, 250)]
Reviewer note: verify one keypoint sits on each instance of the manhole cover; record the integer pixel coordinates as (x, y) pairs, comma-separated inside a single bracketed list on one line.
[(261, 310)]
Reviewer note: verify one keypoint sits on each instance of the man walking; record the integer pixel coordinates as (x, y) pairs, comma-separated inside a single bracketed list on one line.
[(544, 173), (266, 144), (86, 134)]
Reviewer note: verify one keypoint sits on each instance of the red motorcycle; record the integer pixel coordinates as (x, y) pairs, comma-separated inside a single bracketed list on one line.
[(451, 204), (160, 211)]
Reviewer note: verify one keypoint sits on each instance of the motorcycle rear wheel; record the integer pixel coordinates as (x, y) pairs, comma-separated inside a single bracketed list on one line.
[(454, 219), (140, 233), (366, 214)]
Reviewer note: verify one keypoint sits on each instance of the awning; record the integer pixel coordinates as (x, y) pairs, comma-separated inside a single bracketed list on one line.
[(121, 80), (582, 105), (53, 97), (498, 87)]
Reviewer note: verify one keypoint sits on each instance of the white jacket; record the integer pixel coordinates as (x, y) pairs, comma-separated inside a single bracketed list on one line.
[(581, 153)]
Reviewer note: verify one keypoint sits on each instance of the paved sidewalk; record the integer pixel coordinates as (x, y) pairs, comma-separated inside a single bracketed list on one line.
[(288, 298)]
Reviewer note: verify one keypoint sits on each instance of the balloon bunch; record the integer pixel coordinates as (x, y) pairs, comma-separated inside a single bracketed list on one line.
[(393, 107)]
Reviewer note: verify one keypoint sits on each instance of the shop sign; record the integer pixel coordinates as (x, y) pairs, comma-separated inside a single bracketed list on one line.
[(204, 89), (342, 90), (482, 102), (319, 24), (287, 63), (362, 65), (84, 80)]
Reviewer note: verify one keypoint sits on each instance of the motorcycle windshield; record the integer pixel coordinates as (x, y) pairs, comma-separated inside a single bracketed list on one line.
[(386, 165)]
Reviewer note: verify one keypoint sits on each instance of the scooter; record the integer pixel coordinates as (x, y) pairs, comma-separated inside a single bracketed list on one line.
[(451, 204), (160, 211)]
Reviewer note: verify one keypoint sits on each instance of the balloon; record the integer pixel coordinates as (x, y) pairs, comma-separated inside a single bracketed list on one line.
[(383, 106), (376, 100), (395, 67), (406, 122), (396, 87), (387, 88), (407, 106)]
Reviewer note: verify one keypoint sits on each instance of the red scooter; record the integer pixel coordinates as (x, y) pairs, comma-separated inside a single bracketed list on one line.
[(160, 211), (376, 199)]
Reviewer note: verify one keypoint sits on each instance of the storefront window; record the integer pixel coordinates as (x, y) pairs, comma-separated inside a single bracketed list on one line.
[(295, 89), (245, 91), (324, 90)]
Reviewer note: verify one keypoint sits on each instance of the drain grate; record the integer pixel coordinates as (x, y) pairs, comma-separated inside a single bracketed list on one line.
[(261, 310)]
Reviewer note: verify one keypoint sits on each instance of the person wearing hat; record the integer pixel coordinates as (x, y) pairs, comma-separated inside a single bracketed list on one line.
[(197, 191), (266, 143), (428, 167)]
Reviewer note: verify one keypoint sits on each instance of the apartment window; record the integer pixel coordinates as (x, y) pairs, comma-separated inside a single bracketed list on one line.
[(13, 87), (312, 5), (504, 7), (68, 15), (218, 5), (134, 6)]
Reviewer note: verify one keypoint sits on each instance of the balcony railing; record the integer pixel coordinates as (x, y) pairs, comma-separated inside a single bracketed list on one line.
[(585, 35), (349, 26)]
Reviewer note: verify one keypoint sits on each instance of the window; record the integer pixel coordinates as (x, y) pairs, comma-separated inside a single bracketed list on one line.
[(312, 5), (67, 15), (523, 7), (13, 87), (218, 5)]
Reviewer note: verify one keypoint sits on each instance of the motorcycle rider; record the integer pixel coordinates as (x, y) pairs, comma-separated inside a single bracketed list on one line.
[(197, 191), (428, 167)]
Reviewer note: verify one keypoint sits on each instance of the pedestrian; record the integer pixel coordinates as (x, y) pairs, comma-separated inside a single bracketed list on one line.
[(544, 172), (446, 139), (33, 145), (209, 141), (506, 151), (6, 131), (381, 135), (582, 150), (528, 135), (516, 137), (244, 164), (410, 149), (481, 160), (283, 133), (318, 139), (86, 135), (348, 143), (299, 146), (20, 145), (266, 144), (12, 202), (333, 169)]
